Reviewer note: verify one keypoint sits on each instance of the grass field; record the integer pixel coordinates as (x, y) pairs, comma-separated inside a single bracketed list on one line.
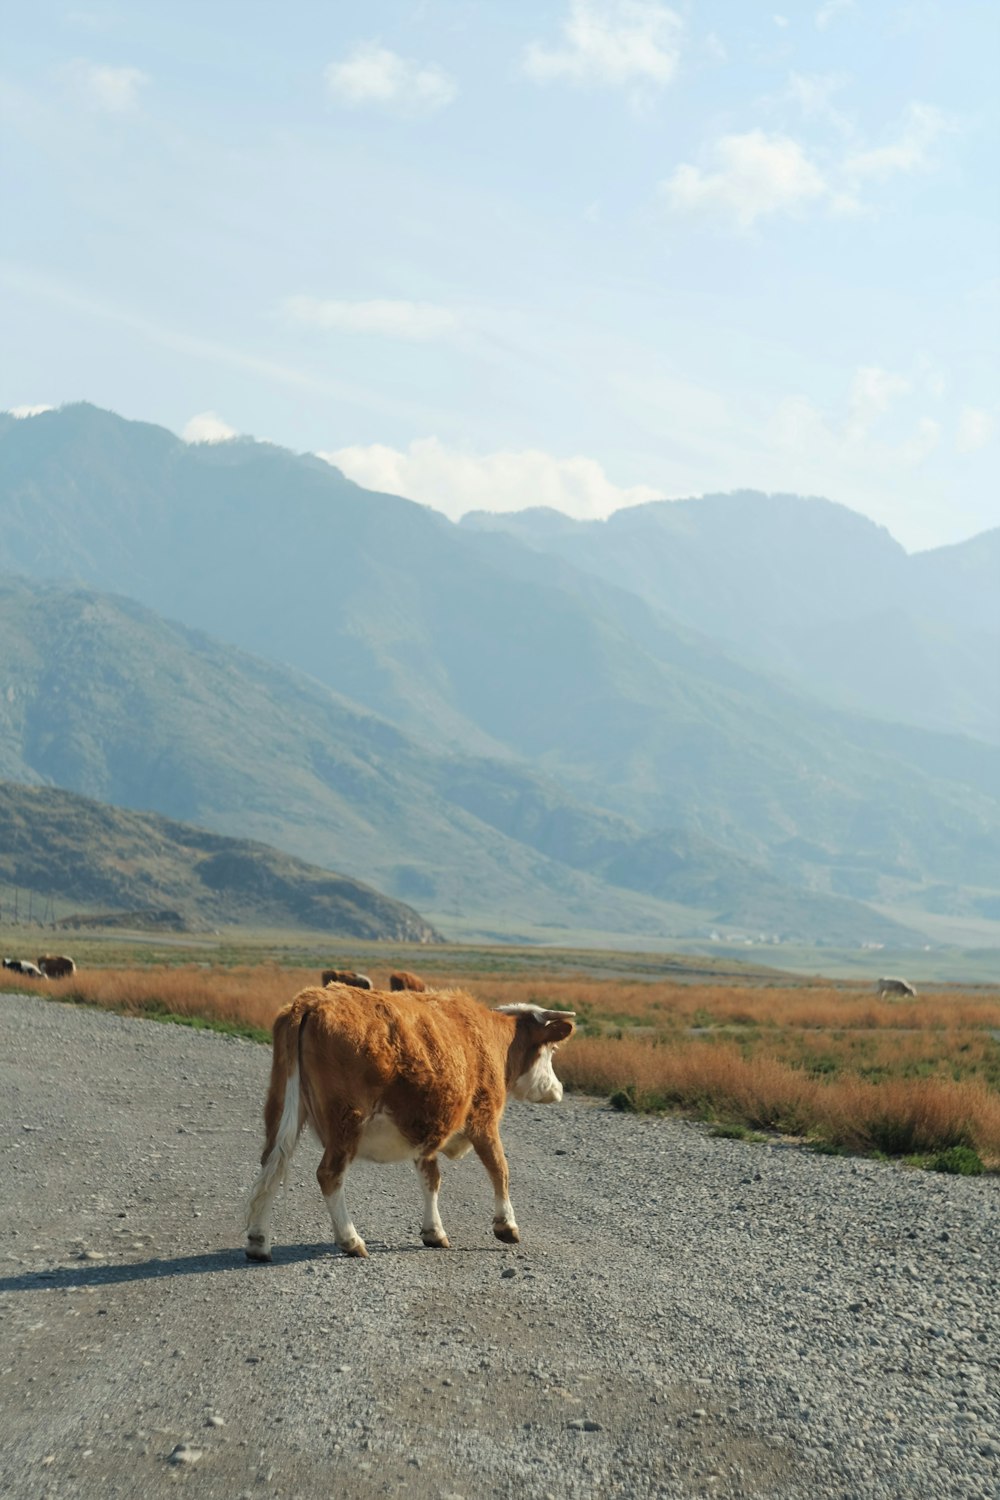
[(745, 1048)]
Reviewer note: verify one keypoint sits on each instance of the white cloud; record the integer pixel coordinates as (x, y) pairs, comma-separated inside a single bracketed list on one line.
[(206, 427), (797, 424), (112, 91), (28, 411), (873, 390), (976, 427), (922, 126), (853, 439), (455, 482), (780, 21), (611, 43), (814, 93), (921, 443), (372, 75), (401, 320), (829, 12), (716, 48), (89, 20), (930, 377), (754, 174)]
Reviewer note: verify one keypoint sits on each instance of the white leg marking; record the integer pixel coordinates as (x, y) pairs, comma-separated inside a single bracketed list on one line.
[(432, 1231), (504, 1225), (344, 1232), (271, 1176), (503, 1212)]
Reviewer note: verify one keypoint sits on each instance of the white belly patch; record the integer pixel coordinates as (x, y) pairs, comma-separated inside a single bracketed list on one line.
[(382, 1141)]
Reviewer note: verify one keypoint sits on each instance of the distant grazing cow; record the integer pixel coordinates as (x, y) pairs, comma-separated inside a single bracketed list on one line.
[(23, 966), (347, 976), (404, 980), (399, 1078), (890, 986), (56, 965)]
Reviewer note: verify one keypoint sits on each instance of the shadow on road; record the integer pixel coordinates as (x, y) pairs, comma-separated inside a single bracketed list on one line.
[(209, 1263)]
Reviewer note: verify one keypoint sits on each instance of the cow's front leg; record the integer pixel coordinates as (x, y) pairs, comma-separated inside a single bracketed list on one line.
[(431, 1229), (490, 1153)]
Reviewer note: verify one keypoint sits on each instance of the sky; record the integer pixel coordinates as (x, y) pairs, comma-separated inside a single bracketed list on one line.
[(497, 253)]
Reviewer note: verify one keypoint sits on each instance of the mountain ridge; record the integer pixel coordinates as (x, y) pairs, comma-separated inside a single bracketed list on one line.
[(807, 588), (469, 645)]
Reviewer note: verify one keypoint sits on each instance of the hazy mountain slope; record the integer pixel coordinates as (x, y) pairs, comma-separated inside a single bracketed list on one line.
[(809, 589), (729, 564), (72, 850), (101, 696), (959, 583), (672, 864), (474, 642)]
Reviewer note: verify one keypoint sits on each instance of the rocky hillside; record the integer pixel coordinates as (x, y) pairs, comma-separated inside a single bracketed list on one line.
[(69, 851)]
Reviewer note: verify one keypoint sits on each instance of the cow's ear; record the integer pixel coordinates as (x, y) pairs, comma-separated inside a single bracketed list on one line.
[(559, 1029)]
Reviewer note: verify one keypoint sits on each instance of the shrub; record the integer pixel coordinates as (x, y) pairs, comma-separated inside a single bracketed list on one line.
[(624, 1100), (960, 1161), (736, 1133)]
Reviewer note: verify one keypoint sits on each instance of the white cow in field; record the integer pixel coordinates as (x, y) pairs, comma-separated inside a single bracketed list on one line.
[(23, 966), (892, 986)]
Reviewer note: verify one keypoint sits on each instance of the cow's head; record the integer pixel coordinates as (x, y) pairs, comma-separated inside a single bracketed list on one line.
[(537, 1034)]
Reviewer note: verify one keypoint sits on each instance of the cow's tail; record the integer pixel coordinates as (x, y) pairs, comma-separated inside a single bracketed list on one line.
[(284, 1112)]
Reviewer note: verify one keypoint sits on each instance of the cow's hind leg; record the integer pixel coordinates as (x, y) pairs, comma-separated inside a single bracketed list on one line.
[(283, 1123), (491, 1154), (431, 1229), (330, 1175)]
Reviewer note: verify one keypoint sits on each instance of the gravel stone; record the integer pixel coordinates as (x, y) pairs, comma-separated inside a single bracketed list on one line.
[(185, 1454)]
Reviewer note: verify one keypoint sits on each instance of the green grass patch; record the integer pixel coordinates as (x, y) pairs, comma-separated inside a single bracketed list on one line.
[(736, 1133), (958, 1161), (827, 1148), (199, 1023), (158, 1010)]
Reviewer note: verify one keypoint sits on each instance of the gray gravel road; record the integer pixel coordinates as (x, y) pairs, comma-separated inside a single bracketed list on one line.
[(685, 1317)]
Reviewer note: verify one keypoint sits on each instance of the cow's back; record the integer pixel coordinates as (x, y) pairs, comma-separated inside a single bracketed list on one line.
[(421, 1057)]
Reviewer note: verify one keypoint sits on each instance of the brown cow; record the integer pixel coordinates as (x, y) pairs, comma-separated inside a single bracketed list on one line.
[(399, 1078), (404, 980), (347, 976), (56, 965)]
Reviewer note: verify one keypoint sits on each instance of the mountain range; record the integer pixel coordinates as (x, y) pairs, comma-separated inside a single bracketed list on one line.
[(808, 589), (506, 721)]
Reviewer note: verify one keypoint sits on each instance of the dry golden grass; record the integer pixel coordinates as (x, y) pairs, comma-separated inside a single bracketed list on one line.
[(899, 1116), (659, 1004), (249, 997), (834, 1063)]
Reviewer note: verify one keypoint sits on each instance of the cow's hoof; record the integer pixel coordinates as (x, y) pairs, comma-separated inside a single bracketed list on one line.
[(441, 1242), (357, 1248), (509, 1233), (257, 1249)]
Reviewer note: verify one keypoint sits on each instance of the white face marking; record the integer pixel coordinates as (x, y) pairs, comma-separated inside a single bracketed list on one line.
[(539, 1085), (382, 1141)]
